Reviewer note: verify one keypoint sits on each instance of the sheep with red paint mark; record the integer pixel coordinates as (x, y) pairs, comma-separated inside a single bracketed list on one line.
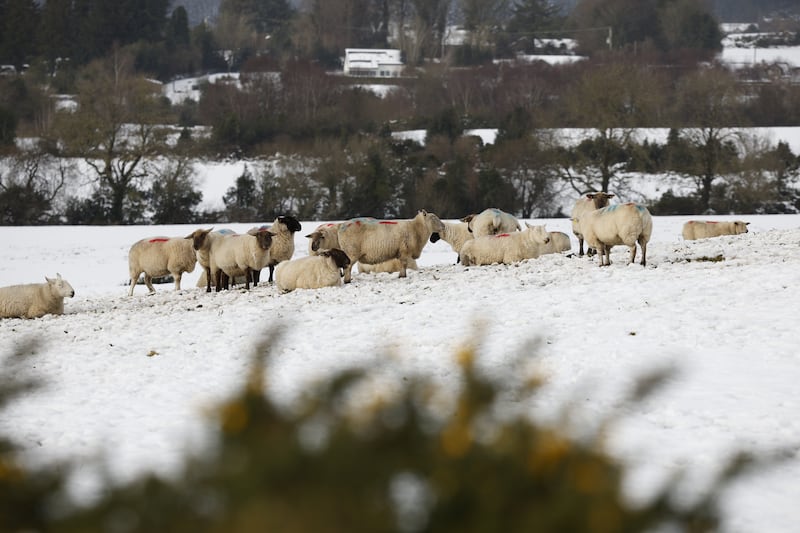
[(505, 248), (583, 205), (312, 272), (160, 256), (34, 300), (374, 242), (704, 229), (491, 221), (618, 224)]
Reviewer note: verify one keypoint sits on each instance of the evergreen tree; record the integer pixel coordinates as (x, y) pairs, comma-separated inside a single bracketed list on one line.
[(19, 20)]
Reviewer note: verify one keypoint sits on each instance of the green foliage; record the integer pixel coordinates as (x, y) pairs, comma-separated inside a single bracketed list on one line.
[(364, 451), (173, 198)]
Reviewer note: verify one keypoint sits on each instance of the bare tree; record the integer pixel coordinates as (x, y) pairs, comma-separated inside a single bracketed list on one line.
[(115, 128), (32, 187)]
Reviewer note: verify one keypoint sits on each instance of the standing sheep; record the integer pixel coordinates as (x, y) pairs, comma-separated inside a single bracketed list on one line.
[(326, 237), (312, 272), (703, 229), (240, 255), (506, 247), (379, 241), (159, 256), (283, 229), (618, 224), (455, 234), (586, 204), (204, 242), (491, 222), (34, 300)]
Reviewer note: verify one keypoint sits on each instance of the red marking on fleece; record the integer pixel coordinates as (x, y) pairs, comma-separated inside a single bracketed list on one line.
[(387, 222), (159, 239), (503, 235)]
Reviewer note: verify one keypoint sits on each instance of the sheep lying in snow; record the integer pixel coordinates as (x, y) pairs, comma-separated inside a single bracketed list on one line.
[(34, 300), (378, 241), (506, 247), (618, 224), (159, 256), (283, 229), (312, 272), (491, 222), (455, 234), (586, 204), (702, 229), (240, 255), (559, 242)]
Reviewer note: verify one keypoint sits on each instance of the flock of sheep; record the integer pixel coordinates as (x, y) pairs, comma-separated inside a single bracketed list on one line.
[(491, 236)]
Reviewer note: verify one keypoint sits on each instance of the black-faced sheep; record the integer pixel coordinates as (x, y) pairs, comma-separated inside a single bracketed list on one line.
[(703, 229), (618, 224), (312, 272), (159, 256), (505, 247), (283, 229), (585, 204), (34, 300), (204, 241), (240, 255), (378, 241), (491, 222)]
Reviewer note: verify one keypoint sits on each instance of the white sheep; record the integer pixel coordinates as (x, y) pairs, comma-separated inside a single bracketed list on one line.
[(283, 229), (491, 222), (204, 242), (34, 300), (455, 234), (240, 255), (559, 242), (586, 204), (159, 256), (505, 247), (313, 271), (390, 266), (326, 237), (703, 229), (381, 240), (618, 224)]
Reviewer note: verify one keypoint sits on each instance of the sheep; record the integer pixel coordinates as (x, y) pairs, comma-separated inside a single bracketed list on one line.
[(283, 229), (455, 234), (204, 242), (378, 241), (559, 242), (583, 205), (618, 224), (703, 229), (491, 222), (240, 255), (159, 256), (506, 247), (326, 237), (34, 300), (312, 272)]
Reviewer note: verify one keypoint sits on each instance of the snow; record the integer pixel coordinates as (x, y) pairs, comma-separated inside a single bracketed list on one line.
[(128, 381)]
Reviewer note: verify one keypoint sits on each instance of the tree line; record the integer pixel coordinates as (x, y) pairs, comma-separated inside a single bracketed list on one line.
[(136, 149)]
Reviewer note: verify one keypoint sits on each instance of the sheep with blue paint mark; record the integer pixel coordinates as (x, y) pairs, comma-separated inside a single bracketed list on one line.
[(491, 222), (618, 224), (505, 248), (378, 241), (583, 205)]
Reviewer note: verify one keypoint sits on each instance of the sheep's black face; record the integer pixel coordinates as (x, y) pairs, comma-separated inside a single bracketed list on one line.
[(290, 222), (435, 237), (339, 257), (264, 239)]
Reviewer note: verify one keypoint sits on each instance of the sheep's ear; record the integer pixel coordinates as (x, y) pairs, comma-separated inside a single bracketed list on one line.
[(313, 235), (610, 195), (527, 224), (48, 280), (468, 218), (746, 223)]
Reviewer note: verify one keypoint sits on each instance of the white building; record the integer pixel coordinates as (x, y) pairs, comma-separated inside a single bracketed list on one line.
[(379, 63)]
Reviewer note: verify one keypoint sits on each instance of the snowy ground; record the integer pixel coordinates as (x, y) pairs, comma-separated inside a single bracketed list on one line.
[(131, 379)]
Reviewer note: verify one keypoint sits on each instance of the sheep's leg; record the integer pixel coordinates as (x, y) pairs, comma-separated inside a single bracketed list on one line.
[(134, 281), (643, 244), (633, 254), (218, 280), (256, 277), (178, 280), (247, 273), (348, 272), (148, 280), (580, 246), (208, 279), (271, 271)]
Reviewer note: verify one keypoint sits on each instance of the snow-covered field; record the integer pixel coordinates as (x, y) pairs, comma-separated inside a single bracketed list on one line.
[(130, 379)]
